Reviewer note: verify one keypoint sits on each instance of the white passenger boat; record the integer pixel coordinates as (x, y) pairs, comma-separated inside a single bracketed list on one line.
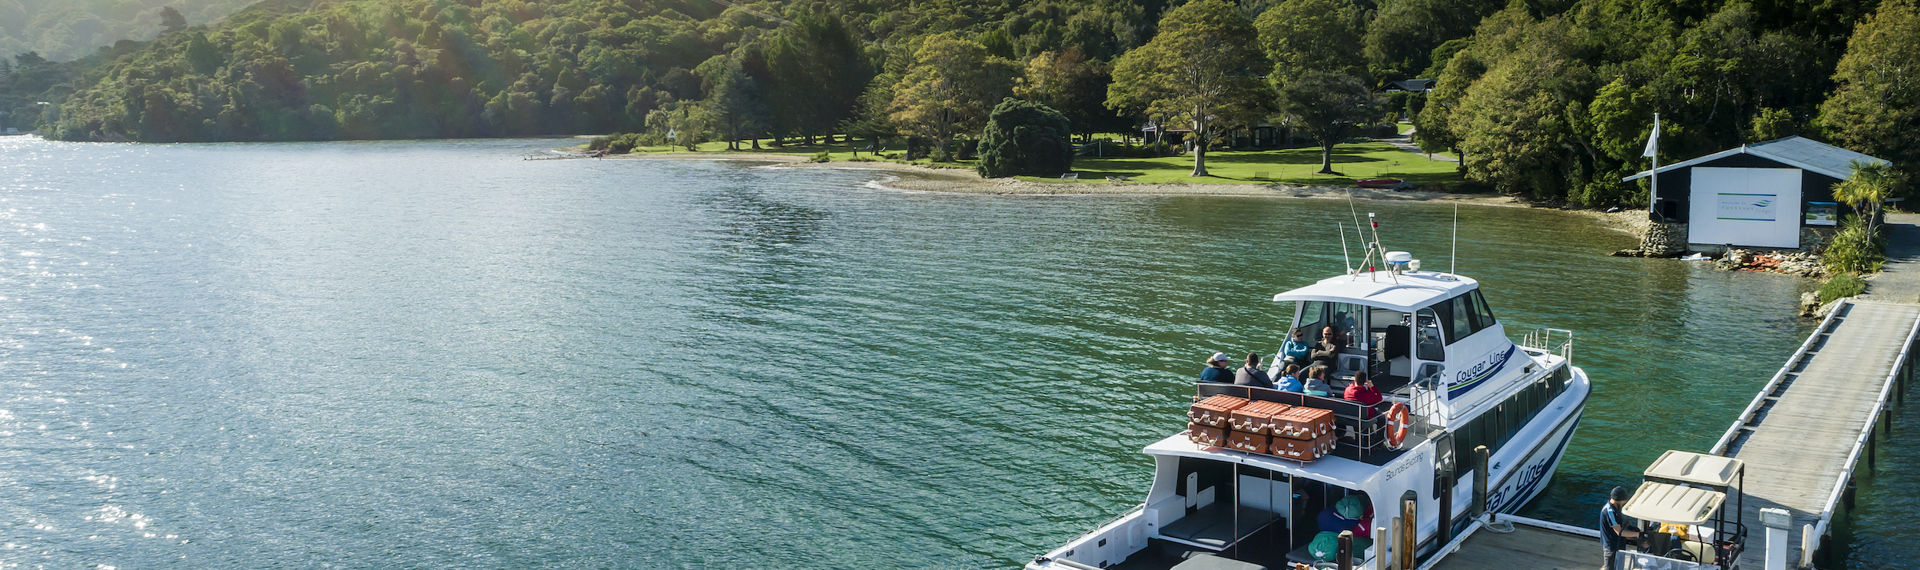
[(1439, 356)]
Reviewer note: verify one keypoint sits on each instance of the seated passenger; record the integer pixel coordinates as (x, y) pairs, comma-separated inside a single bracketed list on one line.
[(1251, 374), (1296, 349), (1349, 514), (1328, 349), (1317, 383), (1362, 390), (1217, 371), (1289, 381)]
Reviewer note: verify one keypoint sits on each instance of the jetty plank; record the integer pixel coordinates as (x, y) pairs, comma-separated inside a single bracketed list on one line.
[(1526, 547)]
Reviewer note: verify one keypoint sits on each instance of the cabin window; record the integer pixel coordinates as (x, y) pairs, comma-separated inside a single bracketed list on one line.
[(1498, 426), (1482, 316), (1460, 321), (1430, 341), (1312, 319), (1347, 318)]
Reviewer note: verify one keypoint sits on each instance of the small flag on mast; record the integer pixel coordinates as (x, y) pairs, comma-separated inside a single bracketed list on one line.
[(1653, 140)]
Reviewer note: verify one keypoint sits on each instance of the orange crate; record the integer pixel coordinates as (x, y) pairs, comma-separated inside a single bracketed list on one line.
[(1205, 435), (1248, 442), (1212, 412), (1255, 417), (1303, 450), (1303, 423)]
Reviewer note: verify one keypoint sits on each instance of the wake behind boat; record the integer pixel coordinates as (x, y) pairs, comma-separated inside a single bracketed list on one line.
[(1260, 474)]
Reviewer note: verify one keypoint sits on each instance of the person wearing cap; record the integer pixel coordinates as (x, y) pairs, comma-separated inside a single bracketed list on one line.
[(1613, 533), (1217, 371), (1251, 374)]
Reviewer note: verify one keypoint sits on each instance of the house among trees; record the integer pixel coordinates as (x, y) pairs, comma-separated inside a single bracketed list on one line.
[(1411, 85), (1774, 194), (1263, 135)]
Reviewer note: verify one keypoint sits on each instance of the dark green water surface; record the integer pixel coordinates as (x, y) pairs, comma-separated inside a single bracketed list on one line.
[(436, 354)]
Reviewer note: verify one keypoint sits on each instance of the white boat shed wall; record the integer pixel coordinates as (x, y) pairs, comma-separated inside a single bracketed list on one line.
[(1752, 207)]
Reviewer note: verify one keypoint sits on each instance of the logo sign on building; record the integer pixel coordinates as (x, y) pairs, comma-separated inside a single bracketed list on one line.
[(1747, 207), (1822, 213), (1752, 207)]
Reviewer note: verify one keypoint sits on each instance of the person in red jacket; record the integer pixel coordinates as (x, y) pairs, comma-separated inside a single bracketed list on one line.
[(1362, 390)]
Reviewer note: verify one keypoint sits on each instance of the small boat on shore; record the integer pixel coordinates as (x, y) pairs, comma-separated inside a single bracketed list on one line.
[(1234, 491), (1388, 183)]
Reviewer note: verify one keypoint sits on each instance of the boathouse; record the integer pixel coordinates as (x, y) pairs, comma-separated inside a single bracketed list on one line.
[(1774, 194)]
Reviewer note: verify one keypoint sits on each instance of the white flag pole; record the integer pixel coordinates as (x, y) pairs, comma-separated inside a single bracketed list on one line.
[(1653, 150)]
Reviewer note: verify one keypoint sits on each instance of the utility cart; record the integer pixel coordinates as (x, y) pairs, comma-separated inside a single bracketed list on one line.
[(1683, 510)]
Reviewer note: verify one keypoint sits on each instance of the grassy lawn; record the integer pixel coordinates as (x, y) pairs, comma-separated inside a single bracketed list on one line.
[(1403, 127), (842, 152), (1295, 166)]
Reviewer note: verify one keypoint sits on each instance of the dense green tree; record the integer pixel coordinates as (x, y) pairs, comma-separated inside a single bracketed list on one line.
[(737, 107), (948, 89), (1301, 36), (871, 120), (1024, 138), (815, 68), (1076, 87), (1199, 72), (1515, 124), (1404, 34), (1327, 106), (1876, 108)]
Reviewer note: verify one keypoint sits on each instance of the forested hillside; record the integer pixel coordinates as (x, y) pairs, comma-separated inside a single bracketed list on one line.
[(1552, 98), (60, 30)]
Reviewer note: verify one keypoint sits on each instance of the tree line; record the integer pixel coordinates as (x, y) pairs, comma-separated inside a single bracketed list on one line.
[(1548, 98)]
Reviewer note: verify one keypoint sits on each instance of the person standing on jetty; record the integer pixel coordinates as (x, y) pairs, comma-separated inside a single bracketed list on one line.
[(1614, 534), (1217, 371)]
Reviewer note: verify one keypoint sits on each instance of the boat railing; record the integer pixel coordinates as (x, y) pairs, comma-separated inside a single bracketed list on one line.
[(1542, 341), (1097, 529), (1422, 401)]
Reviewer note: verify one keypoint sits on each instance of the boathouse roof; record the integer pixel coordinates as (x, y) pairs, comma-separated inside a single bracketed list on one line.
[(1403, 292), (1798, 152)]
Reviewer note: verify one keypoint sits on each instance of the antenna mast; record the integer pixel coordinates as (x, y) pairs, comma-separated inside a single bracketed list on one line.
[(1453, 256), (1343, 248), (1374, 227)]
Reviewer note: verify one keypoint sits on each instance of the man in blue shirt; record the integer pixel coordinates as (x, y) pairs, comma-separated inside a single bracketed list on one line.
[(1613, 533)]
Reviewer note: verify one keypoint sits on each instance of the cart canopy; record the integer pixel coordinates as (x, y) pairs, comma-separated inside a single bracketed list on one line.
[(1687, 467), (1673, 504)]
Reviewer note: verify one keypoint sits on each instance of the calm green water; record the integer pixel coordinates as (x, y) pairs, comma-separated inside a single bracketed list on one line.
[(435, 354)]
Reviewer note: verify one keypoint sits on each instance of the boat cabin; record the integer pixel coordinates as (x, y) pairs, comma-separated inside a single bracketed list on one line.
[(1407, 328)]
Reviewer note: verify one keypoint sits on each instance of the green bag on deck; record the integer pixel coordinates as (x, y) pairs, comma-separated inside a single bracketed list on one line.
[(1327, 544)]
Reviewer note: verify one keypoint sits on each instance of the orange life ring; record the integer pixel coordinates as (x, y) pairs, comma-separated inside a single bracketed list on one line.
[(1397, 424)]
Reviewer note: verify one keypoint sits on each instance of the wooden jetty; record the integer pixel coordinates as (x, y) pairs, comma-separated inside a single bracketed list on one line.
[(1802, 438), (1807, 430)]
